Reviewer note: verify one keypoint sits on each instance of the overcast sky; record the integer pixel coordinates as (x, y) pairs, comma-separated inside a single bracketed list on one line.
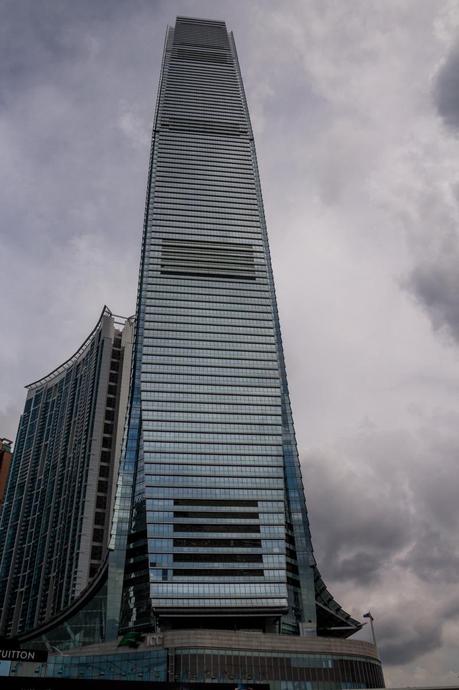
[(355, 108)]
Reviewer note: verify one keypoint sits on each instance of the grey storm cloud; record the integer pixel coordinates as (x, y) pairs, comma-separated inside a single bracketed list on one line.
[(402, 641), (374, 522), (434, 556), (446, 90), (435, 284)]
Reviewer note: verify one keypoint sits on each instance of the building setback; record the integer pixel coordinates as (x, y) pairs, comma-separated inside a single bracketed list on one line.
[(210, 575)]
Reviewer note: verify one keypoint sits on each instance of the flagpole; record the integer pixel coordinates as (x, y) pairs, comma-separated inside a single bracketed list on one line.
[(373, 633), (370, 617)]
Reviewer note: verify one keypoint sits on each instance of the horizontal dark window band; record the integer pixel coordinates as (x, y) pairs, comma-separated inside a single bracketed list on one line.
[(220, 184), (228, 208), (258, 293), (247, 503), (230, 130), (154, 405), (204, 141), (241, 255), (195, 302), (216, 120), (198, 172), (218, 558), (191, 541), (212, 74), (222, 109), (213, 275), (176, 83), (213, 260), (216, 528), (179, 75), (217, 263), (189, 55), (209, 107), (209, 245), (204, 205), (210, 201), (188, 144), (212, 514), (220, 572), (188, 150), (213, 453), (203, 219)]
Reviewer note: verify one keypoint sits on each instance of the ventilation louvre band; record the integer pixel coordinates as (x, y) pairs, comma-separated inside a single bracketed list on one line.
[(207, 259)]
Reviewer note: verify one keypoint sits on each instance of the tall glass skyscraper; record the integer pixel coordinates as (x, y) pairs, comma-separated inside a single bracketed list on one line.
[(218, 527), (210, 571)]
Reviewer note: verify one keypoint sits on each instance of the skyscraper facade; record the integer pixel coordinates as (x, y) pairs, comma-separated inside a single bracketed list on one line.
[(210, 570), (55, 524), (219, 528)]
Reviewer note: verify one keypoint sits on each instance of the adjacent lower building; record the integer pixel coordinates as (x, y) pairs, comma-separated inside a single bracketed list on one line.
[(56, 518), (209, 574)]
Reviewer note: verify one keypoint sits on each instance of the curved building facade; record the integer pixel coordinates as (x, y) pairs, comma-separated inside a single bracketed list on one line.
[(56, 516)]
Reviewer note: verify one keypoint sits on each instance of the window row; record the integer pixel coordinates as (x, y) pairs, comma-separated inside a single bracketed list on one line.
[(204, 482), (203, 221), (228, 290), (196, 346), (169, 337), (216, 356), (202, 326), (208, 459), (229, 402), (150, 413), (219, 603), (209, 589), (193, 373), (208, 139), (214, 430), (217, 382), (212, 441), (189, 492), (199, 445), (245, 313), (247, 198), (170, 470)]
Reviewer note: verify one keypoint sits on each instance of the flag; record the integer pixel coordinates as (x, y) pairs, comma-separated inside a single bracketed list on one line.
[(368, 615)]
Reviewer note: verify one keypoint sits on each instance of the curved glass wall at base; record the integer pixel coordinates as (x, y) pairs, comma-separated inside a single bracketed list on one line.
[(214, 658)]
